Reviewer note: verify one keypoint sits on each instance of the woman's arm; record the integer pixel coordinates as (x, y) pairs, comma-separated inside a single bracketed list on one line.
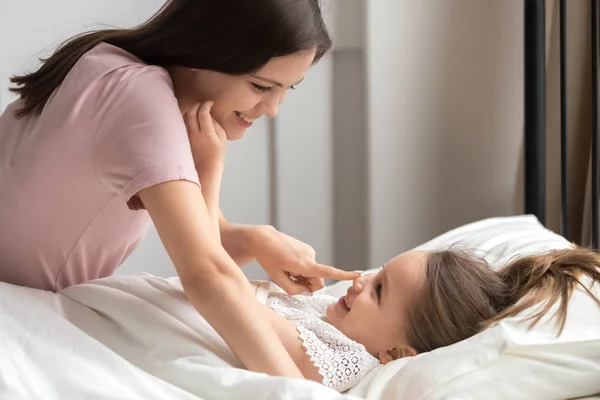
[(214, 285), (208, 142), (211, 187), (235, 239)]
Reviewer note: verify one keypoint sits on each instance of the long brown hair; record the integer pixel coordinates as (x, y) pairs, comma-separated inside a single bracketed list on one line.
[(463, 295), (229, 36)]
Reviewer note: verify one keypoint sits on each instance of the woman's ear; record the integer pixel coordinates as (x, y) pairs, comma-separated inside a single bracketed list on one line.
[(396, 353)]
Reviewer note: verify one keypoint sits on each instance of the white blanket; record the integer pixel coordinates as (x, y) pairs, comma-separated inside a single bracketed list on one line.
[(123, 337)]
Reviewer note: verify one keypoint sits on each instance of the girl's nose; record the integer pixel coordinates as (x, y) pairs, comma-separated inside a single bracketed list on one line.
[(358, 284)]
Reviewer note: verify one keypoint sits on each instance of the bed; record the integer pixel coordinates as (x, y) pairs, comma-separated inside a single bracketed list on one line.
[(136, 337)]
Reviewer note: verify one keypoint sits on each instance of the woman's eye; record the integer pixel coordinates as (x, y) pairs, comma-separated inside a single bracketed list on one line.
[(293, 87), (259, 88)]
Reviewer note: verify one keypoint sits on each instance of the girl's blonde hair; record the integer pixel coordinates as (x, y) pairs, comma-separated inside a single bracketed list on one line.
[(463, 295)]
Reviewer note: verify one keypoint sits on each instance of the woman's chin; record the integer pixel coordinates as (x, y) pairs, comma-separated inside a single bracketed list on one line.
[(235, 127), (235, 134)]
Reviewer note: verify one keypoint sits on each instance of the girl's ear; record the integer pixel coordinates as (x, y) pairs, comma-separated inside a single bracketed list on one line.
[(388, 356), (396, 353), (407, 352)]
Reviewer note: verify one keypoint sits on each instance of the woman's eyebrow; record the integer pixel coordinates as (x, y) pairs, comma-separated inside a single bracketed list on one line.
[(273, 81)]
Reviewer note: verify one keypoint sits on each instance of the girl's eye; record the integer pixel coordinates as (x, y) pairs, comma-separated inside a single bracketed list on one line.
[(378, 290), (293, 87), (259, 88)]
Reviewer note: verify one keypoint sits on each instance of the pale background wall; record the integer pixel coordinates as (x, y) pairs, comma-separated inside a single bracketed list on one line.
[(410, 127), (445, 117)]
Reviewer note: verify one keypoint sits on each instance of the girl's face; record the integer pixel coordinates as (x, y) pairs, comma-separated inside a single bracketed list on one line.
[(374, 311), (240, 100)]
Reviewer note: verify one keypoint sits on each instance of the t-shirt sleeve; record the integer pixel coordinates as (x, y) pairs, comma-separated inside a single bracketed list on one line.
[(142, 140)]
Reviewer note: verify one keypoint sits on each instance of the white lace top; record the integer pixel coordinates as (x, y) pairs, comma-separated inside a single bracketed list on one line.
[(341, 362)]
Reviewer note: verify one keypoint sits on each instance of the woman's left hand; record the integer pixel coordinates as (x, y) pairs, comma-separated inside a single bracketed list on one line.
[(208, 140), (291, 263)]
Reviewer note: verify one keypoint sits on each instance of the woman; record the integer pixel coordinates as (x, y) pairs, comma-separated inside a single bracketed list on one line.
[(96, 147)]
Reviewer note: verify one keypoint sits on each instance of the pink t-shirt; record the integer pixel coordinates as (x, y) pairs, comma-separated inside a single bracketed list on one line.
[(69, 177)]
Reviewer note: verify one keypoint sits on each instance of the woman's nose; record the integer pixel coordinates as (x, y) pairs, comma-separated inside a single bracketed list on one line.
[(270, 107)]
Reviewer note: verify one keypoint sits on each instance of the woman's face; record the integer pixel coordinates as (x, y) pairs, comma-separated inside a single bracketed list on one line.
[(240, 100), (374, 311)]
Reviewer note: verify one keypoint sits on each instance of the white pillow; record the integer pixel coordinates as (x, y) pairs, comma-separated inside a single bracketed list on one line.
[(506, 361)]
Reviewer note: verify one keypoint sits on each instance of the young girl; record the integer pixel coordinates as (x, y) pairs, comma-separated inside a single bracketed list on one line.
[(418, 302)]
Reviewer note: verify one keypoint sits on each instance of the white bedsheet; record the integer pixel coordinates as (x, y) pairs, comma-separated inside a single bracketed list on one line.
[(124, 337)]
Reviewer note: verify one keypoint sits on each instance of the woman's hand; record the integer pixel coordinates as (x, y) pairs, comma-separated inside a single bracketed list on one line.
[(291, 263), (207, 139), (208, 142)]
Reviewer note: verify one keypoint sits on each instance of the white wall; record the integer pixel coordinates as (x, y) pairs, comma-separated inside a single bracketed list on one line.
[(445, 88), (346, 21), (304, 162), (350, 136)]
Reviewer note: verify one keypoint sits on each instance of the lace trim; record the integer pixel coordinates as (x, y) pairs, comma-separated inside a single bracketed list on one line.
[(341, 362)]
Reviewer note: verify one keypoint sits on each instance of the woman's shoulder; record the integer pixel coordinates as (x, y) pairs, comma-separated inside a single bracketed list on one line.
[(114, 67), (104, 50), (105, 56)]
